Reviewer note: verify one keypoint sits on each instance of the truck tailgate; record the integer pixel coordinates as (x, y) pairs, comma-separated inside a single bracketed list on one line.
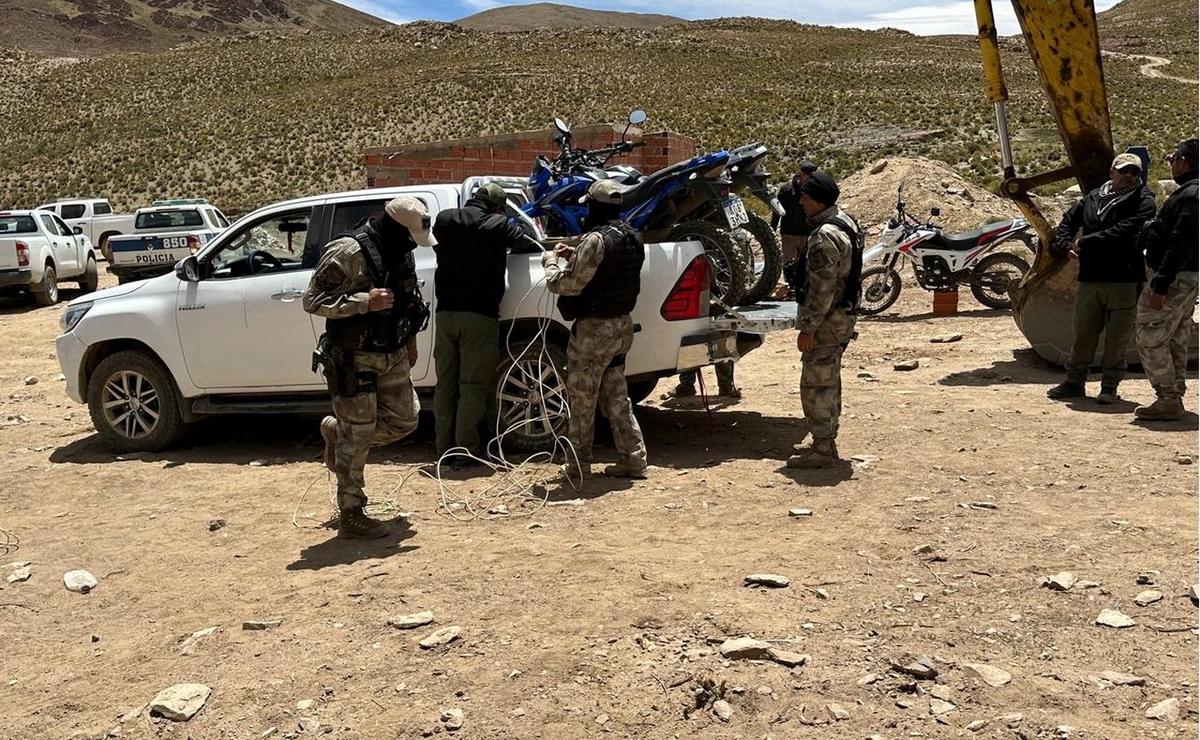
[(8, 252), (761, 318), (144, 250)]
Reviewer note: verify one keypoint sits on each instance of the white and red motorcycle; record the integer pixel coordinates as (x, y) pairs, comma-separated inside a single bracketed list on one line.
[(944, 261)]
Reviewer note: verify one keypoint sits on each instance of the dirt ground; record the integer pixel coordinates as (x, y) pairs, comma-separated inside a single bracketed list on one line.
[(606, 618)]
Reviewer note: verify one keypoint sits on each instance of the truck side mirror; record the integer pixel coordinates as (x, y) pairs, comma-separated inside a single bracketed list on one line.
[(188, 269)]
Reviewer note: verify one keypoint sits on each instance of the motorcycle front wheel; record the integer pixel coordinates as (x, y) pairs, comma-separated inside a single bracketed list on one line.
[(763, 274), (880, 289), (728, 262), (995, 276)]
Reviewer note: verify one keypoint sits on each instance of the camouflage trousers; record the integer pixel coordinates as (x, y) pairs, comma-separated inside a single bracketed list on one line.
[(821, 376), (596, 378), (377, 416), (1164, 336)]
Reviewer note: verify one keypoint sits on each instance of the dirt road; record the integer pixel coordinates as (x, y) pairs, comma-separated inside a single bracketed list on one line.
[(1152, 66), (604, 619)]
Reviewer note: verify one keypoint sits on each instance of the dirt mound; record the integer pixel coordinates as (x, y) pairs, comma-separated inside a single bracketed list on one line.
[(870, 194)]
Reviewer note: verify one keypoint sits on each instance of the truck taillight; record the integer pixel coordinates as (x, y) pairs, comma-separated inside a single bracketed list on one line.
[(193, 243), (689, 298), (22, 254)]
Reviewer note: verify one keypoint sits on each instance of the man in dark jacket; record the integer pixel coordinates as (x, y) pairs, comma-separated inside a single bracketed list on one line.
[(472, 256), (793, 225), (1164, 320), (1101, 233)]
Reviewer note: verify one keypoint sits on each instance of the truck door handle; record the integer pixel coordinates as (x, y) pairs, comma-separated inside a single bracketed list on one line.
[(287, 296)]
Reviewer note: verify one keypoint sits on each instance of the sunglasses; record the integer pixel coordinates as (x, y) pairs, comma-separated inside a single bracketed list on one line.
[(1172, 157)]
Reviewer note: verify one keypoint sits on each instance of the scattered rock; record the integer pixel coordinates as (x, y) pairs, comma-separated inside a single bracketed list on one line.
[(1166, 710), (869, 679), (906, 366), (787, 657), (31, 380), (305, 705), (977, 725), (1063, 581), (1114, 618), (722, 710), (1122, 679), (79, 581), (262, 624), (1185, 459), (453, 719), (1194, 593), (982, 505), (800, 512), (991, 675), (1147, 578), (411, 621), (1146, 598), (499, 510), (925, 549), (180, 702), (837, 711), (879, 166), (946, 339), (444, 636), (821, 593), (602, 719), (938, 707), (20, 575), (770, 580), (942, 692), (864, 462), (215, 524), (1064, 731), (746, 648), (188, 647), (919, 668), (1087, 584)]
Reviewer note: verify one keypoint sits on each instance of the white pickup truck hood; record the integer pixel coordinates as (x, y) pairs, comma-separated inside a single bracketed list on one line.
[(113, 292)]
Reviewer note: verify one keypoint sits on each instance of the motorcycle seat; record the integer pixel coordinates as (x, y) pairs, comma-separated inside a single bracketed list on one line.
[(645, 189), (967, 240)]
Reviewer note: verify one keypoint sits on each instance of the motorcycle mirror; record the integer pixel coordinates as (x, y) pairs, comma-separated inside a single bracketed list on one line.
[(935, 211), (637, 117), (562, 126)]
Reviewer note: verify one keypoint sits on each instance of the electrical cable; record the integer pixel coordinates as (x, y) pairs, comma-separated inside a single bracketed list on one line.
[(9, 542)]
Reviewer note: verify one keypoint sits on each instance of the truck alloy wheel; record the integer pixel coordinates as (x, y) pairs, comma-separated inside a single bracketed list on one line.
[(532, 395), (131, 404)]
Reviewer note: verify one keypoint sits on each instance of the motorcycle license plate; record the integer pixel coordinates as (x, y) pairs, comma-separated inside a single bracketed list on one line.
[(735, 212)]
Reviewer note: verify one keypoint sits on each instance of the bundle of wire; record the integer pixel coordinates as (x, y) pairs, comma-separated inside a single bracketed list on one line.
[(524, 482)]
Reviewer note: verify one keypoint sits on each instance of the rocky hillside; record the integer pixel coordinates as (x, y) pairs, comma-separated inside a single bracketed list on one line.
[(91, 27), (552, 15), (1165, 28), (250, 120)]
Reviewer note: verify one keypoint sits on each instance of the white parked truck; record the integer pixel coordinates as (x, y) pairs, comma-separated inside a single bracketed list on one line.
[(226, 332), (94, 216), (38, 249), (163, 233)]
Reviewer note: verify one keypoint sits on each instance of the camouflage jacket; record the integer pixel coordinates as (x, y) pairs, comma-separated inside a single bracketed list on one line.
[(829, 254), (573, 277), (340, 286)]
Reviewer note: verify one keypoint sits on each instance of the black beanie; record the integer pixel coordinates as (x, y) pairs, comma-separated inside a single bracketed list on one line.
[(821, 188)]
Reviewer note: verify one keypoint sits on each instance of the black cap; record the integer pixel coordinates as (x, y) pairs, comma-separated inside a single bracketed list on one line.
[(808, 168), (821, 188), (1188, 150)]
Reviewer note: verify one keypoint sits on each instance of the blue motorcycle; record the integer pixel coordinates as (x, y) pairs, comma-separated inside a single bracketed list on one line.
[(669, 205)]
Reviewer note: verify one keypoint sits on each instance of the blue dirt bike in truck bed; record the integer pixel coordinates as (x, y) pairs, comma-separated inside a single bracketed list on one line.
[(665, 205)]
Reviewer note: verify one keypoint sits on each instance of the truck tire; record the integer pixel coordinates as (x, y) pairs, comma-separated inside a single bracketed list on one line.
[(133, 403), (46, 292), (768, 261), (532, 396), (90, 280), (995, 276), (729, 265), (640, 390)]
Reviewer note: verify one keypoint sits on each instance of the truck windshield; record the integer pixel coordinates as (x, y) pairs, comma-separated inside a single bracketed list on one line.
[(168, 219), (17, 225)]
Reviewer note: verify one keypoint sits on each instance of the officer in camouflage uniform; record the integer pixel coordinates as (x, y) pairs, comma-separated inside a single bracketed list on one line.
[(825, 317), (365, 286), (598, 288)]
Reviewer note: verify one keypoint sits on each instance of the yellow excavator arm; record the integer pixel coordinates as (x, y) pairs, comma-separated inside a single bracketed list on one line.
[(1063, 39)]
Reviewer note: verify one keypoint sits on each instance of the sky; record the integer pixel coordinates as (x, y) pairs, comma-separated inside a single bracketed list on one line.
[(924, 17)]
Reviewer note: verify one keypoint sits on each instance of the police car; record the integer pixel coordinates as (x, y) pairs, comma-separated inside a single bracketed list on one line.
[(164, 233)]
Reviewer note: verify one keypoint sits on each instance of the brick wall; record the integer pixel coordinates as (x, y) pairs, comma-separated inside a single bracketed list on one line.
[(510, 154)]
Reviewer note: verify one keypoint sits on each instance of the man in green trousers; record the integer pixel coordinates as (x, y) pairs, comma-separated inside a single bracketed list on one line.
[(472, 256)]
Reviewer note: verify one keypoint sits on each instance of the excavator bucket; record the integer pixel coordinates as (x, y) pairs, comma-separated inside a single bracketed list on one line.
[(1062, 39)]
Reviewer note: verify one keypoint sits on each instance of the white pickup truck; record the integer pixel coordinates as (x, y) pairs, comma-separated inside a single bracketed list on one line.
[(94, 216), (226, 332), (37, 249), (164, 233)]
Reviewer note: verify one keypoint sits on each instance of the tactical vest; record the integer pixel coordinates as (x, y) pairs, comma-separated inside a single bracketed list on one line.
[(796, 271), (382, 331), (613, 290)]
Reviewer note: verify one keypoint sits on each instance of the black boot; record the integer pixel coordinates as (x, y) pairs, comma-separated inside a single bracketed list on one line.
[(356, 525), (1066, 390), (1108, 395)]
